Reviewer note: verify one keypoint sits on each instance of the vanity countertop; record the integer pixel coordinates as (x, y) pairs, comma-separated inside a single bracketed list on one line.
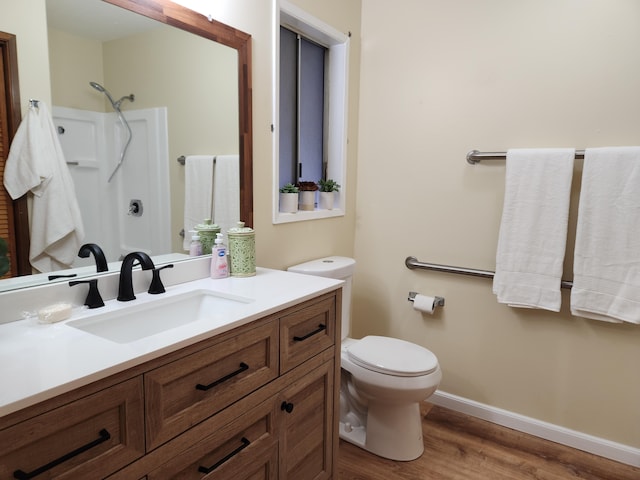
[(39, 361)]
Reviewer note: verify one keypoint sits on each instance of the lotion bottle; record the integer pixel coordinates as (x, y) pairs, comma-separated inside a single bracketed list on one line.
[(195, 248), (219, 263)]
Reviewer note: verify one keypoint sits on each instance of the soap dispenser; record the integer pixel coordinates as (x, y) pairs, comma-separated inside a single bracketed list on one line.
[(219, 263), (195, 248)]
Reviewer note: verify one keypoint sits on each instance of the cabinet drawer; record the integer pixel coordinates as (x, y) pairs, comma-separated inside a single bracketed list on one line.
[(246, 448), (306, 332), (89, 438), (188, 390)]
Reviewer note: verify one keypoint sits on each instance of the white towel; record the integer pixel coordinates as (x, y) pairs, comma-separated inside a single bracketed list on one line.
[(198, 193), (36, 163), (606, 270), (533, 230), (226, 191)]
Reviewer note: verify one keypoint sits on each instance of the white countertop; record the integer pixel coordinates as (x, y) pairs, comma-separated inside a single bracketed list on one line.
[(39, 361)]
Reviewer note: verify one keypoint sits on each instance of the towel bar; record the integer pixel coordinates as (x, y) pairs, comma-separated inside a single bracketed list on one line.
[(182, 160), (413, 263), (475, 156)]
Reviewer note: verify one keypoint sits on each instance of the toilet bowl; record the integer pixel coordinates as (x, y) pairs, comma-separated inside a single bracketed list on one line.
[(383, 380)]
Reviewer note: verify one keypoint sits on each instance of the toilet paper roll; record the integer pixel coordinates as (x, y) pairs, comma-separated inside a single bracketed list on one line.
[(424, 303)]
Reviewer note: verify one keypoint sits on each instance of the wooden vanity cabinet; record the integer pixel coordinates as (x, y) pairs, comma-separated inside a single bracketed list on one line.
[(188, 390), (307, 430), (246, 448), (91, 437), (257, 403), (306, 332)]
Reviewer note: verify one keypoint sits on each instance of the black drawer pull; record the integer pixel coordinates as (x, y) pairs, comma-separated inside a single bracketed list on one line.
[(245, 444), (22, 475), (286, 407), (321, 328), (243, 367)]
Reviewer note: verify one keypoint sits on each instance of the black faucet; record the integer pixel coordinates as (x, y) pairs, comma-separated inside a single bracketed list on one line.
[(125, 288), (98, 254)]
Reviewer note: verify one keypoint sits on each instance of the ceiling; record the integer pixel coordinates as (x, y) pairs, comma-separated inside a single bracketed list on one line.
[(95, 19)]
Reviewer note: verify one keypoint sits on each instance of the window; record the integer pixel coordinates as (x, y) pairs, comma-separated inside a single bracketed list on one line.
[(311, 106), (301, 108)]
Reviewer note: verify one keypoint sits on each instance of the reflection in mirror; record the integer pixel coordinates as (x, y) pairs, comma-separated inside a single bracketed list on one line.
[(175, 104)]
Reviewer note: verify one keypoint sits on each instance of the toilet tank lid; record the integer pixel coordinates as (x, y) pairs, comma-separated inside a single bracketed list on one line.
[(332, 267), (392, 356)]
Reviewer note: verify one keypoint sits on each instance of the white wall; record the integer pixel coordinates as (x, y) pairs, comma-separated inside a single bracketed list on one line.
[(440, 78)]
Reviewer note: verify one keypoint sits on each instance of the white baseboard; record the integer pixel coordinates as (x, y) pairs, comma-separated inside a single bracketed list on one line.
[(571, 438)]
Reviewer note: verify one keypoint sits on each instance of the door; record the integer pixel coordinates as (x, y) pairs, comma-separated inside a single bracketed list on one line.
[(14, 223)]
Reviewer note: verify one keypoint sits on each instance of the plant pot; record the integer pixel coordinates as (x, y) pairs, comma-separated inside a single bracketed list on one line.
[(288, 202), (307, 200), (326, 200)]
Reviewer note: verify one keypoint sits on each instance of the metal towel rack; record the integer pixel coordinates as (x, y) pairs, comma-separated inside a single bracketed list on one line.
[(413, 263), (475, 156)]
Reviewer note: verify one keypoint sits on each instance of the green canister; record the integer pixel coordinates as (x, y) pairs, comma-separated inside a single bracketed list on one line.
[(207, 232), (242, 251)]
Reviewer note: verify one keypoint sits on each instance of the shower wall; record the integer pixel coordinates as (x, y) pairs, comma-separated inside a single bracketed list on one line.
[(92, 142)]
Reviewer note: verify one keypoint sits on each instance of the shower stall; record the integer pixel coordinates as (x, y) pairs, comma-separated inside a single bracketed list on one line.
[(120, 168)]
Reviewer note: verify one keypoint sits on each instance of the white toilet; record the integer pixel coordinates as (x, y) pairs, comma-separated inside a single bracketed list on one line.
[(383, 379)]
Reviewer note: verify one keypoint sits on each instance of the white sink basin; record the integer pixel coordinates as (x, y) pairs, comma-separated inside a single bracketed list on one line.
[(143, 320)]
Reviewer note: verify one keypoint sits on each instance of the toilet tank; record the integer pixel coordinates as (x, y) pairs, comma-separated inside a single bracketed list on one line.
[(340, 268)]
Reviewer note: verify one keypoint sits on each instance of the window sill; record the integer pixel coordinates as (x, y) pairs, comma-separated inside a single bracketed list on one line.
[(303, 215)]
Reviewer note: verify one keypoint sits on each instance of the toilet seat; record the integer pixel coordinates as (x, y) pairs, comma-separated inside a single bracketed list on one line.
[(392, 356)]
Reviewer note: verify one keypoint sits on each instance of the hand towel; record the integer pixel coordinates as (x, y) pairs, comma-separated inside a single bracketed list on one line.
[(198, 193), (36, 163), (533, 229), (226, 191), (606, 271)]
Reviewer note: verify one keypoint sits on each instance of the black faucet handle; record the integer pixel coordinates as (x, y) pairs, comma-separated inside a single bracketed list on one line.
[(55, 277), (156, 283), (93, 300)]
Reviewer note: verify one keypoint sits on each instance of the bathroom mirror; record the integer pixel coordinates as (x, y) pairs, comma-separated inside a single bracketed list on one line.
[(178, 17)]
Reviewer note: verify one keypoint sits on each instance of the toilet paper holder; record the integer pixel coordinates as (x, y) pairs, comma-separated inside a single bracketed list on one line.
[(439, 301)]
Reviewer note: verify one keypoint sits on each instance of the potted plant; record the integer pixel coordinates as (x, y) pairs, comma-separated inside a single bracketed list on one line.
[(328, 188), (289, 198), (4, 258), (307, 199)]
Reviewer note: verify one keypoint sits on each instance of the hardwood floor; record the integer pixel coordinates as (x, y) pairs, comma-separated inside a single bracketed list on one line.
[(459, 447)]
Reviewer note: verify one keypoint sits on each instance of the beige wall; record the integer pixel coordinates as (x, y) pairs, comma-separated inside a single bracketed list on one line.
[(74, 62), (440, 78), (279, 246), (27, 20)]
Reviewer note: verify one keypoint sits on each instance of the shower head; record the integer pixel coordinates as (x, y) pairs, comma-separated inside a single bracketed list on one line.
[(116, 107), (114, 104), (98, 87)]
